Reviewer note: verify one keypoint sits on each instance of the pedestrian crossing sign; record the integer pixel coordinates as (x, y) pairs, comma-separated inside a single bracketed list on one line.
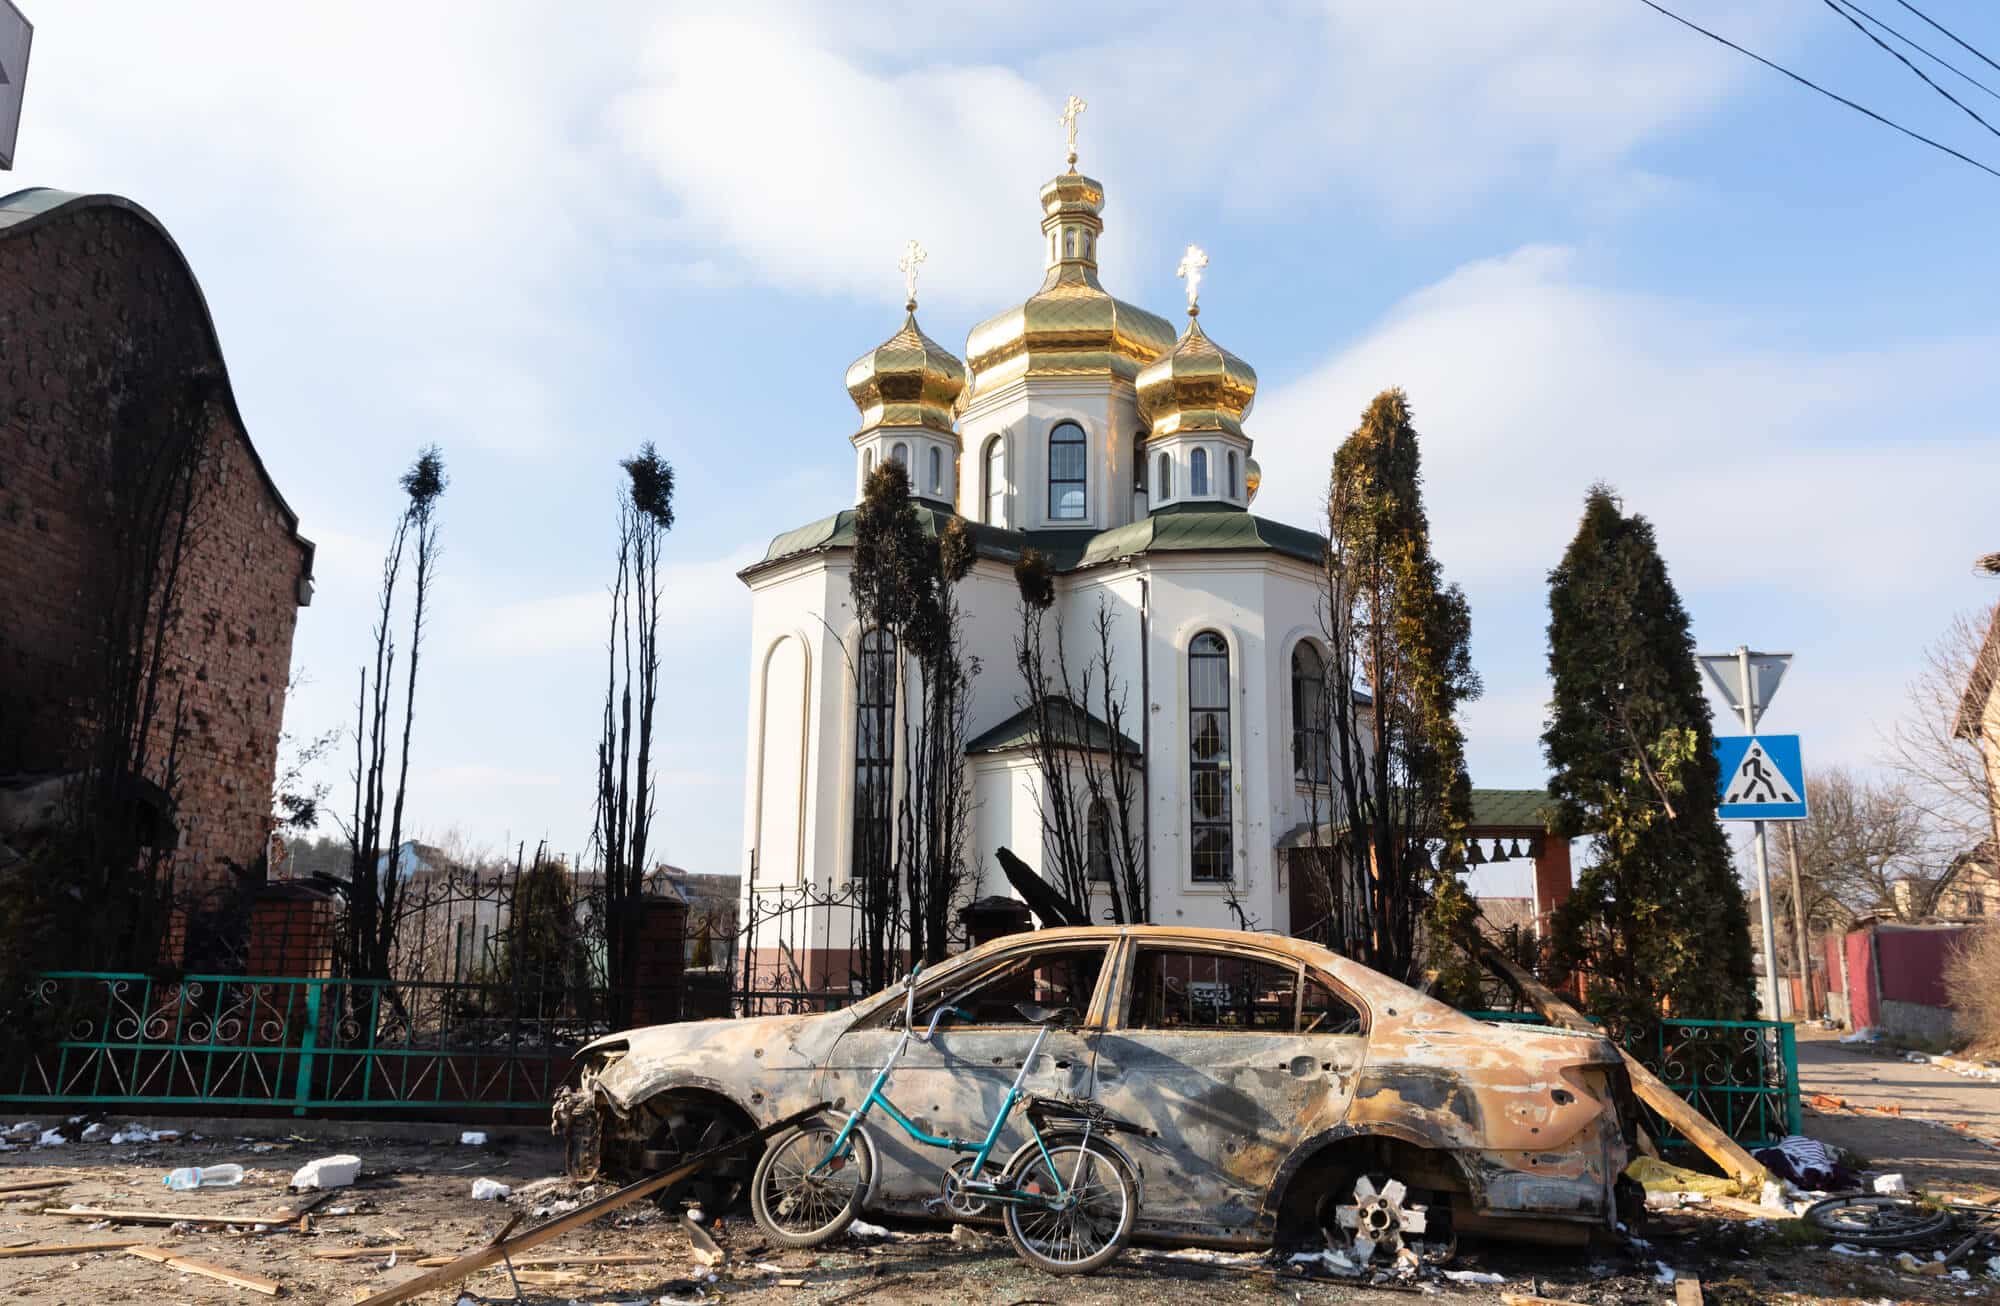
[(1762, 778)]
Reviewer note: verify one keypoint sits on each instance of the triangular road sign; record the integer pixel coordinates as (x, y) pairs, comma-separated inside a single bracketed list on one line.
[(1725, 672)]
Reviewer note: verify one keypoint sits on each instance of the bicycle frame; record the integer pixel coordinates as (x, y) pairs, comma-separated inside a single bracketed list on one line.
[(982, 1149)]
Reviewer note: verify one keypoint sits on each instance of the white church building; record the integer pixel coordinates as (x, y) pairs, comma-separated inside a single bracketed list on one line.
[(1087, 428)]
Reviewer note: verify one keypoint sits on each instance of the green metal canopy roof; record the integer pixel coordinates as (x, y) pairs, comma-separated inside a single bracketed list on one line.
[(1076, 724), (1197, 528)]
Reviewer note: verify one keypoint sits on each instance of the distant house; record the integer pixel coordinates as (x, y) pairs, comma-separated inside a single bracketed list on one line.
[(1979, 710)]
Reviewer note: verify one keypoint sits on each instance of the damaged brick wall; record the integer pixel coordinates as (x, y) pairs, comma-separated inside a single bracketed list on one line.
[(78, 276)]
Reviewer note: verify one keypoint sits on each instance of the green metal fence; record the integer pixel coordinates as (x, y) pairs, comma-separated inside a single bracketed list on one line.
[(312, 1045), (1742, 1074)]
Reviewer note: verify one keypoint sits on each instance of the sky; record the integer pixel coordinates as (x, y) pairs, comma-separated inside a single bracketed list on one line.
[(1589, 243)]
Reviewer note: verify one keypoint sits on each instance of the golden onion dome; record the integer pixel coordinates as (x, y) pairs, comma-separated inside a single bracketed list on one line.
[(1197, 386), (907, 380), (1072, 326)]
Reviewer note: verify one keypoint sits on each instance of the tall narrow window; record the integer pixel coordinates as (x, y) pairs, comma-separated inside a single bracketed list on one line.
[(1234, 478), (874, 751), (1068, 472), (900, 452), (1139, 461), (937, 470), (1097, 832), (1166, 477), (1208, 758), (1198, 472), (1311, 762), (996, 482)]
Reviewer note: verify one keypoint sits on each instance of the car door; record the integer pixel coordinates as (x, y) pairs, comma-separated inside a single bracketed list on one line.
[(1233, 1054), (954, 1085)]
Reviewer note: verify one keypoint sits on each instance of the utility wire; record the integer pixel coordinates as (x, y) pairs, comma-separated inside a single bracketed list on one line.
[(1831, 95), (1932, 55), (1947, 31), (1912, 67)]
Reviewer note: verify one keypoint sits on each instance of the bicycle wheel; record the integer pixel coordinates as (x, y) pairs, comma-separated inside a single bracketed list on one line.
[(798, 1201), (1088, 1229), (1878, 1220)]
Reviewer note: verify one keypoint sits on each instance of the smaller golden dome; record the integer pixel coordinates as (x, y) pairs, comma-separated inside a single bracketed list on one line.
[(907, 380), (1196, 386)]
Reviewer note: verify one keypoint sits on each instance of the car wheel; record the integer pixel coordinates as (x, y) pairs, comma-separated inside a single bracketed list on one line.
[(688, 1125)]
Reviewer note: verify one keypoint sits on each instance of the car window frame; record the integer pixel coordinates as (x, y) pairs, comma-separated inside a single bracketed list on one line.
[(1128, 969), (962, 977)]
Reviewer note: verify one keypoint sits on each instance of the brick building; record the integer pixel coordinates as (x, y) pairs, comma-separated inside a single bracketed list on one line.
[(99, 314)]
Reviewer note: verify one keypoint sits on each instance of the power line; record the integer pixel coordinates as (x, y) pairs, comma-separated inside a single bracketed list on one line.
[(1947, 31), (1912, 67), (1932, 55), (1811, 85)]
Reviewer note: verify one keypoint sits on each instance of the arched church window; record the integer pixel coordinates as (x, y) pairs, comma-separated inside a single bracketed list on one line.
[(1166, 477), (1068, 472), (1235, 478), (868, 463), (874, 751), (1198, 472), (1210, 832), (1139, 461), (937, 470), (1097, 839), (900, 453), (1311, 756), (1069, 243), (996, 481), (1089, 250)]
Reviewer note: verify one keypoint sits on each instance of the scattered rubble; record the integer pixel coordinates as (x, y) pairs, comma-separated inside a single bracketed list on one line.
[(487, 1190), (328, 1172)]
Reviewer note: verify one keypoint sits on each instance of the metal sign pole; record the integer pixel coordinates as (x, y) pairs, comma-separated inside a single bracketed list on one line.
[(1749, 703)]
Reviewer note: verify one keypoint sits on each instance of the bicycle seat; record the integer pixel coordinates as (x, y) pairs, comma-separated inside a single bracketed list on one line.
[(1037, 1014)]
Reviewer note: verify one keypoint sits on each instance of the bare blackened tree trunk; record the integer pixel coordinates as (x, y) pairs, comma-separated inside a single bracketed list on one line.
[(1056, 738), (375, 862), (625, 799)]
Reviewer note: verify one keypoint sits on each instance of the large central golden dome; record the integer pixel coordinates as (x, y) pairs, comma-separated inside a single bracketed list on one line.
[(1072, 326)]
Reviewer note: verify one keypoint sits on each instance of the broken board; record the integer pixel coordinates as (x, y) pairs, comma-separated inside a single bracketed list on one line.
[(503, 1247), (240, 1278)]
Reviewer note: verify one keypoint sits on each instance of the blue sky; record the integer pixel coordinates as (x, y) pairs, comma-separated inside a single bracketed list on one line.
[(1589, 243)]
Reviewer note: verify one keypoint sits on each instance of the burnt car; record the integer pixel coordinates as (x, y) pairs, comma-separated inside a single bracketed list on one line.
[(1287, 1089)]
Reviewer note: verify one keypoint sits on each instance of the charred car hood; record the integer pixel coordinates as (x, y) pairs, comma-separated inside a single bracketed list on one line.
[(715, 1054)]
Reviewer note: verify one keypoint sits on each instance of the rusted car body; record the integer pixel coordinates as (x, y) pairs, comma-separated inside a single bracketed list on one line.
[(1275, 1073)]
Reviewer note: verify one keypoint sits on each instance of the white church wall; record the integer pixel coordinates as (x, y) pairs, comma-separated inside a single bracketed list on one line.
[(1024, 413)]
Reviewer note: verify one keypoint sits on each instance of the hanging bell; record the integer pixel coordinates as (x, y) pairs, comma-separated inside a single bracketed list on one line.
[(1518, 850), (1472, 855), (1499, 851)]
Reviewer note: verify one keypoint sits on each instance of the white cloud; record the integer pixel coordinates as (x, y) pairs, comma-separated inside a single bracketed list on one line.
[(1761, 466), (705, 603)]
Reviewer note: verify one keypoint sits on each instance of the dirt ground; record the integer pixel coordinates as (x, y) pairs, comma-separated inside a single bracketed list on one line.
[(416, 1192)]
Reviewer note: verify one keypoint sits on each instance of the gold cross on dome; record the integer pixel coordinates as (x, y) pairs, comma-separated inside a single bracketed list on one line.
[(1192, 263), (1071, 110), (913, 258)]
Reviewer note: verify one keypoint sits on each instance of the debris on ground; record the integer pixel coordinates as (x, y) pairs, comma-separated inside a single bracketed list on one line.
[(187, 1264), (472, 1138), (488, 1190), (1657, 1176), (1890, 1183), (1809, 1163), (328, 1172)]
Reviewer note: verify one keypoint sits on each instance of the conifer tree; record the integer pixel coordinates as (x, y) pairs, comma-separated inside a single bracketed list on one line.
[(1657, 919), (1401, 668)]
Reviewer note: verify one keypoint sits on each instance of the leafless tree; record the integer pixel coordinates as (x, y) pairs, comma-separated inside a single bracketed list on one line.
[(1861, 840), (375, 825), (625, 802), (1942, 771)]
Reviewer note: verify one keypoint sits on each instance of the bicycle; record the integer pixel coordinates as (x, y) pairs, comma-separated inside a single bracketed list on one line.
[(1068, 1206)]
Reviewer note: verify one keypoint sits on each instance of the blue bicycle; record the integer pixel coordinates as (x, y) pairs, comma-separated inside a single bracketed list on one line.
[(1068, 1203)]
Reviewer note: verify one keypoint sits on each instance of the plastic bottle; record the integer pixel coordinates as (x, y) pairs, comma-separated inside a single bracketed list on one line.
[(204, 1176)]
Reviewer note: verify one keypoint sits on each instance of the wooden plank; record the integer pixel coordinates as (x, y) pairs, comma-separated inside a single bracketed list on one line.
[(162, 1217), (35, 1186), (1758, 1210), (238, 1278), (1687, 1292), (1654, 1092), (502, 1248), (68, 1249), (1524, 1299), (361, 1253)]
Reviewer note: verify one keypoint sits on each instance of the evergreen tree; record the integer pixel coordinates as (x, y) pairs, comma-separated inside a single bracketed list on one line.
[(1401, 668), (1658, 919)]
